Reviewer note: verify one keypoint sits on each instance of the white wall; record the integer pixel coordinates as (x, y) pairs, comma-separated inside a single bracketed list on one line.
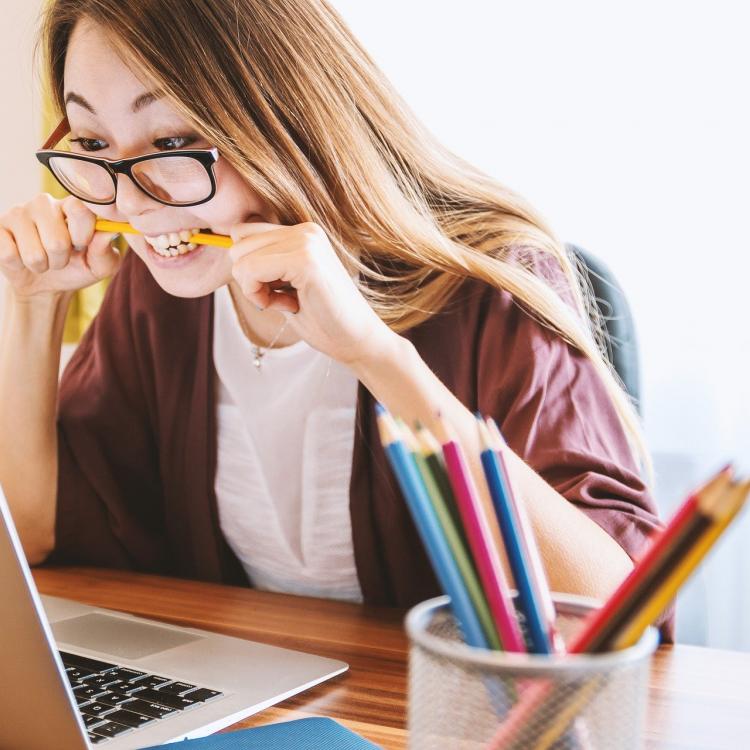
[(20, 126), (627, 125)]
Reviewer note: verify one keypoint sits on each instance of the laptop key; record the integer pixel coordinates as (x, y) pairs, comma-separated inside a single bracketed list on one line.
[(91, 721), (77, 673), (202, 695), (150, 681), (88, 691), (81, 699), (99, 680), (114, 699), (129, 718), (95, 738), (119, 685), (95, 709), (110, 729), (127, 674), (177, 688), (74, 660), (164, 699), (149, 709)]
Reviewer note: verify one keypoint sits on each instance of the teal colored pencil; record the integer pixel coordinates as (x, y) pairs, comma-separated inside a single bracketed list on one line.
[(429, 529), (453, 537)]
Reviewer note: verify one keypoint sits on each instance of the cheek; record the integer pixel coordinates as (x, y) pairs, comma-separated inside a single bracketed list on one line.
[(233, 203)]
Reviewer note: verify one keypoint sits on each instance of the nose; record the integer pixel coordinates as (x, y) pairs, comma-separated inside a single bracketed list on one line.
[(131, 200)]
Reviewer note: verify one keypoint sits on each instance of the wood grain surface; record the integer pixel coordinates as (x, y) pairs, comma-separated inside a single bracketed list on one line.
[(698, 698)]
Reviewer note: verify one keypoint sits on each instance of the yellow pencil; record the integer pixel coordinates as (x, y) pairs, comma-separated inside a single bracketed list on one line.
[(216, 240), (724, 512)]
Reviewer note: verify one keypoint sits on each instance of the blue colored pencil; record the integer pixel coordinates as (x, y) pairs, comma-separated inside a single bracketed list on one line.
[(528, 599), (429, 530), (538, 575)]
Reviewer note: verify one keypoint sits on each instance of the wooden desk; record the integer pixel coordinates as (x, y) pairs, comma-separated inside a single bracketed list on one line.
[(699, 698)]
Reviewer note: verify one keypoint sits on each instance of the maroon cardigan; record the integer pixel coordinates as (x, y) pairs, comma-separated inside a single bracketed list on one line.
[(137, 437)]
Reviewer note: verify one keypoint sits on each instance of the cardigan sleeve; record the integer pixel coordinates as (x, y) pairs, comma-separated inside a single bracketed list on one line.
[(556, 414), (109, 505)]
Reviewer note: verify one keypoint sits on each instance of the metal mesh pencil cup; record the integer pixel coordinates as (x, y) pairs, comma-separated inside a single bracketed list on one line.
[(464, 698)]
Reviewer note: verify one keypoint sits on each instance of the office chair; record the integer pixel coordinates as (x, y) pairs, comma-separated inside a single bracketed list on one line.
[(621, 344)]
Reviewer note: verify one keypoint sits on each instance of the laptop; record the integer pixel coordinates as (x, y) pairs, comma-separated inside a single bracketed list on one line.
[(76, 677)]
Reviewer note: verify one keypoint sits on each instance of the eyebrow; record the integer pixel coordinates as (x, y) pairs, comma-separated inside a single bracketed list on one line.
[(138, 104)]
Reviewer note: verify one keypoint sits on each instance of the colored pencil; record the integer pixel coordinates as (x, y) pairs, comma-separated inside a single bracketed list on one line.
[(429, 530), (459, 551), (602, 625), (528, 599), (723, 512), (481, 541), (721, 500), (122, 227), (496, 442), (433, 454)]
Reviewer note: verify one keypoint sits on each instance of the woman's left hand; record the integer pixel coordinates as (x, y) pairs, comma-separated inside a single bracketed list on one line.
[(331, 313)]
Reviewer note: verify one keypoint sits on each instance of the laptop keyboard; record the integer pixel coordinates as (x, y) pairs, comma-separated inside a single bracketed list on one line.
[(114, 699)]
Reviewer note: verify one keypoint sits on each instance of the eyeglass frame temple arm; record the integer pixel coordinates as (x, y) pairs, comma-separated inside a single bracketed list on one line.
[(63, 128)]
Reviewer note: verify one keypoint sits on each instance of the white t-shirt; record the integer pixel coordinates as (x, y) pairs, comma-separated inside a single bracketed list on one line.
[(285, 443)]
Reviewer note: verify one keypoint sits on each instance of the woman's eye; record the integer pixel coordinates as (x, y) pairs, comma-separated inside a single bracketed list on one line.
[(90, 144), (175, 142)]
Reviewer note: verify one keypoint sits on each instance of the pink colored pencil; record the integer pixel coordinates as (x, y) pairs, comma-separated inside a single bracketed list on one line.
[(482, 544)]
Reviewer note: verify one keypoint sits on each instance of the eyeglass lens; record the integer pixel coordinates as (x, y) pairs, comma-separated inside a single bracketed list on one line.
[(172, 179)]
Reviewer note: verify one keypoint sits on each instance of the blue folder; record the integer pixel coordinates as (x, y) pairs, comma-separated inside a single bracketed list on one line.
[(302, 734)]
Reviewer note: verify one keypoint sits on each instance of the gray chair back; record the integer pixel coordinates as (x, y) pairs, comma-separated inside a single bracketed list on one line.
[(622, 343)]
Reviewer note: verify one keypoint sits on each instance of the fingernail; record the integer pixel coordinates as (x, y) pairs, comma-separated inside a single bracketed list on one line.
[(259, 308)]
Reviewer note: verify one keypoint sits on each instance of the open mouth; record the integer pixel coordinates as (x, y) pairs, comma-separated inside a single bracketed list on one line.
[(175, 243)]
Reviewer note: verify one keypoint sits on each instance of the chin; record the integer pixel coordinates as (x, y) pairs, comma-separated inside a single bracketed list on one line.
[(196, 274)]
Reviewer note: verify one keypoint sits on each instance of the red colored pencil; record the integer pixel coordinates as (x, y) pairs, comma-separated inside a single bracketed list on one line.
[(599, 626)]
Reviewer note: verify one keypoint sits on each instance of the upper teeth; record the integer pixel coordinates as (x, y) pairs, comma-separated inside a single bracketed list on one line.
[(174, 243)]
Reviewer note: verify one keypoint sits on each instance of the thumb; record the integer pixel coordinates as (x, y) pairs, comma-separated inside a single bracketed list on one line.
[(102, 258)]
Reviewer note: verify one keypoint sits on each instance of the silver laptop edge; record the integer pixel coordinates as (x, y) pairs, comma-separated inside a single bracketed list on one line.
[(37, 707)]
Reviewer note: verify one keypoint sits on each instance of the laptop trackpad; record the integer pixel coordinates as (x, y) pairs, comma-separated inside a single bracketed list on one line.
[(118, 636)]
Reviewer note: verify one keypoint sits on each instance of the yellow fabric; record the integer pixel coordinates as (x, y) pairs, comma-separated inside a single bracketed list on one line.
[(86, 302)]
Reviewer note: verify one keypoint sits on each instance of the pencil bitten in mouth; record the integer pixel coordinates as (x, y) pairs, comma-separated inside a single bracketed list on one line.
[(174, 243)]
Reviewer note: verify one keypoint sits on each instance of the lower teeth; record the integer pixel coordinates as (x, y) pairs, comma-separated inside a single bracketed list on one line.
[(173, 252)]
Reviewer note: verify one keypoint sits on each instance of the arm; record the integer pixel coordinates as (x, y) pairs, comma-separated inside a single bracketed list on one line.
[(42, 270), (397, 376), (332, 316), (30, 343)]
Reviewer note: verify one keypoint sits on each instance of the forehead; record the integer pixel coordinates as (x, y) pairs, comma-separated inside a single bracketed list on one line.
[(95, 71)]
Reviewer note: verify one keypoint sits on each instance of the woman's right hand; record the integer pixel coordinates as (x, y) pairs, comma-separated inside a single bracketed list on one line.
[(49, 246)]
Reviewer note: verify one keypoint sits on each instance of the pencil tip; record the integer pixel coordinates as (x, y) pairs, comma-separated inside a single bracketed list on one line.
[(380, 410)]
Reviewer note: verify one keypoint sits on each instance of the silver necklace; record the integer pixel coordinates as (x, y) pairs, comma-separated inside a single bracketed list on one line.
[(258, 351)]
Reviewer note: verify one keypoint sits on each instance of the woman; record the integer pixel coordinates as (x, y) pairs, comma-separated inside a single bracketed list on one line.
[(217, 419)]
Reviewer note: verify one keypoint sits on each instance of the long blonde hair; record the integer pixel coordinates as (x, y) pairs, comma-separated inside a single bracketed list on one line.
[(290, 98)]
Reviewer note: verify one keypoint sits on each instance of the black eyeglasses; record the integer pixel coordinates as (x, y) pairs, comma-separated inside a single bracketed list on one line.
[(174, 178)]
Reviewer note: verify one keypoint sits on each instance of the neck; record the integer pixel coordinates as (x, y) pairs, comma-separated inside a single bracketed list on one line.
[(260, 327)]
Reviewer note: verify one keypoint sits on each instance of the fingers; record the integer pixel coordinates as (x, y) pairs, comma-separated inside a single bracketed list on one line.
[(10, 260), (47, 214), (250, 238), (258, 273), (80, 221), (102, 257), (20, 225)]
